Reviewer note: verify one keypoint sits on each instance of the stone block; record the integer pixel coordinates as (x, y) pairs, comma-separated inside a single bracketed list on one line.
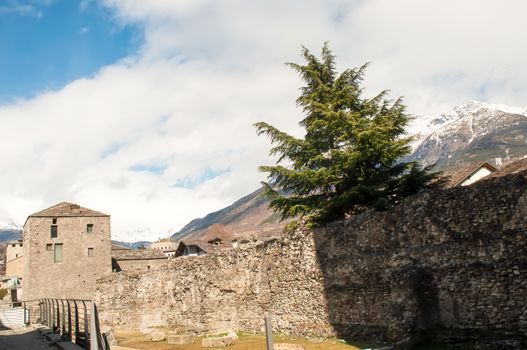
[(180, 339), (156, 336), (287, 346), (215, 342)]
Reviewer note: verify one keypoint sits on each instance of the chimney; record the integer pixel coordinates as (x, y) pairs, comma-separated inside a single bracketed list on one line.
[(75, 208)]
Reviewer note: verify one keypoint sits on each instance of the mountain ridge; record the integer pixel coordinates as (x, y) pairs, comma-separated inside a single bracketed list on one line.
[(248, 215), (471, 133)]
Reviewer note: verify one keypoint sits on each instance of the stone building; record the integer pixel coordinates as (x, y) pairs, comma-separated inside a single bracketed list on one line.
[(166, 245), (66, 248), (13, 269), (14, 260), (124, 259), (14, 250), (196, 247)]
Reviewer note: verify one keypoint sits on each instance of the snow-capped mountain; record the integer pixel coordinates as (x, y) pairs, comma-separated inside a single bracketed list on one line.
[(9, 232), (471, 133), (10, 226)]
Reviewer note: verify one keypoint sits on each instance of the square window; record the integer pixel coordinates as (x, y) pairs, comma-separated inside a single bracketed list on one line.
[(90, 251), (54, 231), (49, 247), (89, 228), (54, 221), (59, 253)]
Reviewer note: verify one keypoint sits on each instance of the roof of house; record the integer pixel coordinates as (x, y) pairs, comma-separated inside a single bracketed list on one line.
[(138, 254), (203, 244), (206, 247), (166, 239), (66, 209), (118, 247), (16, 241), (456, 178)]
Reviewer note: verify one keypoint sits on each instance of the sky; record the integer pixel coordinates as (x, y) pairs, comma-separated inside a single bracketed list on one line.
[(144, 109)]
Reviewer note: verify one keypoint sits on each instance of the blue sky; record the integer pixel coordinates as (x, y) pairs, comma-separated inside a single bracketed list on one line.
[(144, 109), (46, 44)]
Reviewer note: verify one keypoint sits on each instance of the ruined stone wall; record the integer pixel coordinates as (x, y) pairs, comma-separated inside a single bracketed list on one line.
[(229, 289), (450, 260)]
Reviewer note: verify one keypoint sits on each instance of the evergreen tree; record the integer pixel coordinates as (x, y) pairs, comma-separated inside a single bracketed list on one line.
[(349, 159)]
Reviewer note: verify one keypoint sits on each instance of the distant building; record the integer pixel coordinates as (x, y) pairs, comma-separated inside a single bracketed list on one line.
[(14, 250), (124, 259), (471, 174), (166, 245), (196, 247), (12, 280), (14, 259), (66, 248), (191, 248)]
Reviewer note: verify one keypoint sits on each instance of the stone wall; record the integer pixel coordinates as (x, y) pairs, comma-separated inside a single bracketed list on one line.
[(448, 262), (229, 289), (451, 262), (141, 264)]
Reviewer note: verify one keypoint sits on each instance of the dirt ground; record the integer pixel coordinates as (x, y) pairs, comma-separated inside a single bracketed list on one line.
[(22, 339), (137, 340)]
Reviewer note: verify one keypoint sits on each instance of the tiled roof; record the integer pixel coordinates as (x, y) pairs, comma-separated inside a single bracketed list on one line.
[(66, 209), (118, 247), (205, 246), (167, 239), (456, 178), (138, 254)]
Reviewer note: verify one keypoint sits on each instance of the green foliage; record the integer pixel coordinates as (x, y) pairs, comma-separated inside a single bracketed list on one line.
[(349, 158)]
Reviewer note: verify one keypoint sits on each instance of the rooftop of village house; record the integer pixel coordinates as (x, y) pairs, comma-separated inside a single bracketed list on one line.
[(66, 209), (137, 254), (456, 177)]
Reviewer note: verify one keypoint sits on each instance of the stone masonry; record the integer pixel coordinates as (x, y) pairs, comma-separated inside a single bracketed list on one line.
[(84, 236), (448, 263)]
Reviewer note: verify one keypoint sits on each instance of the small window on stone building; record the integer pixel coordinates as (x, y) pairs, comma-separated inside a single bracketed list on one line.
[(90, 251), (49, 246), (54, 221), (89, 228), (59, 253), (54, 231)]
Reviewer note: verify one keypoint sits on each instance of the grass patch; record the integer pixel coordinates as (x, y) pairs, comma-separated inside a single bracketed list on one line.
[(136, 339)]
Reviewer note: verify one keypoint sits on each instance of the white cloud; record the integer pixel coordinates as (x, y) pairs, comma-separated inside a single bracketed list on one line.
[(180, 111), (15, 7)]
